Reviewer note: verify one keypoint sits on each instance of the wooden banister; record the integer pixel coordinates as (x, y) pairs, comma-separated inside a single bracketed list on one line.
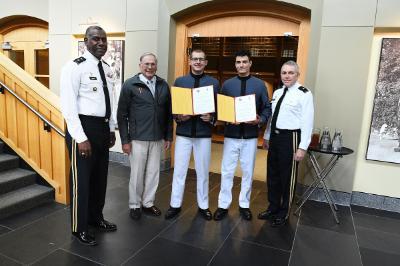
[(25, 132)]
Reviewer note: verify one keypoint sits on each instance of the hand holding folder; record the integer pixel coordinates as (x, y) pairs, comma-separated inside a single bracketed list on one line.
[(236, 109), (195, 101)]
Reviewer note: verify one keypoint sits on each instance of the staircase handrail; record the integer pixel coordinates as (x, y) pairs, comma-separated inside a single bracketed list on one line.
[(47, 123)]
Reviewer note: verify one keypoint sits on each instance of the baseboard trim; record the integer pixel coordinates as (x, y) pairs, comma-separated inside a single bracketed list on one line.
[(362, 199)]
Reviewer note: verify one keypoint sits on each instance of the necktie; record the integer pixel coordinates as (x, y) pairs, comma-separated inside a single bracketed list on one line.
[(276, 111), (105, 90)]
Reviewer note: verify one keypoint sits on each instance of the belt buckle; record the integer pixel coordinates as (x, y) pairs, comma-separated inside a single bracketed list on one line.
[(276, 131)]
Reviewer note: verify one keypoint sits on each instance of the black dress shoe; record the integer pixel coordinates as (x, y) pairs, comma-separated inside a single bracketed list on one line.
[(172, 212), (104, 225), (220, 214), (245, 213), (153, 210), (266, 215), (135, 213), (278, 222), (206, 213), (84, 238)]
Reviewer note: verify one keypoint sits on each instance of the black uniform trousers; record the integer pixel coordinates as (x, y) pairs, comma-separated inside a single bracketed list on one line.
[(88, 176), (282, 170)]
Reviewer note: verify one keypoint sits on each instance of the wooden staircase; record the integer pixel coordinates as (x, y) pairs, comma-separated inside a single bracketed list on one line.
[(18, 188), (32, 128)]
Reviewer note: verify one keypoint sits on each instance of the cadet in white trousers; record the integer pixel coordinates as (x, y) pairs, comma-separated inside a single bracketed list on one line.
[(193, 132), (241, 138)]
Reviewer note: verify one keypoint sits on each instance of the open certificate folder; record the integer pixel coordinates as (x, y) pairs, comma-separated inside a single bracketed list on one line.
[(195, 101), (236, 109)]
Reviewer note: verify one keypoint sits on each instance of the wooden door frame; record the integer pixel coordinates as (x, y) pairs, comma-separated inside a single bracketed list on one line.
[(211, 10)]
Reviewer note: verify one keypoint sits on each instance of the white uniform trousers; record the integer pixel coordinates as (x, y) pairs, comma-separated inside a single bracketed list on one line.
[(145, 172), (245, 151), (201, 152)]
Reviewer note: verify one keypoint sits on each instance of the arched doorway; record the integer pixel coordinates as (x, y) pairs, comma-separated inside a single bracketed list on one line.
[(273, 31), (25, 41)]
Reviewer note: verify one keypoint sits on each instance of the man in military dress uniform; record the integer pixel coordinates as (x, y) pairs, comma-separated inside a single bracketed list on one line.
[(287, 138), (85, 104)]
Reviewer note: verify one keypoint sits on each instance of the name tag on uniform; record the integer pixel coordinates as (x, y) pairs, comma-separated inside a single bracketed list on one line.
[(93, 78)]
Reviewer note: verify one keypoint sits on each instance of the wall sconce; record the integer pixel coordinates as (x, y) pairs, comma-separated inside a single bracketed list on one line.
[(6, 46), (47, 44)]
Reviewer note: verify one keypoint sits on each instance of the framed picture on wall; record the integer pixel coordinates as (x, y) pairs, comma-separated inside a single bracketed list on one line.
[(115, 59), (384, 135)]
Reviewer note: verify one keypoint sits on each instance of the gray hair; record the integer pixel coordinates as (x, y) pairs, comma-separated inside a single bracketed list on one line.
[(146, 54), (292, 63)]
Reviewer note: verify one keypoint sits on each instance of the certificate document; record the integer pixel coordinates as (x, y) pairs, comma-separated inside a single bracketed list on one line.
[(245, 108), (195, 101), (203, 100), (236, 109)]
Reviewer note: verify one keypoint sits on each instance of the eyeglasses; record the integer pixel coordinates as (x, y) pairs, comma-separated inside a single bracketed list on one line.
[(195, 59)]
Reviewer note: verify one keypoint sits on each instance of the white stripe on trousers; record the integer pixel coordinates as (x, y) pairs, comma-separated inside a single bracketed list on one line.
[(74, 187), (293, 174)]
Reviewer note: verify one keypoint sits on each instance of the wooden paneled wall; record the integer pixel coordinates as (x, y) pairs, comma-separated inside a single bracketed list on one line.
[(24, 132)]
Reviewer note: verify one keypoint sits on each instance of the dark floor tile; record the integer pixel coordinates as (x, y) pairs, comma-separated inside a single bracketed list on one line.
[(4, 230), (62, 258), (191, 229), (115, 181), (30, 216), (115, 247), (371, 257), (384, 224), (119, 170), (314, 246), (237, 252), (38, 239), (319, 215), (378, 240), (161, 251), (376, 212), (116, 202), (261, 232), (8, 262)]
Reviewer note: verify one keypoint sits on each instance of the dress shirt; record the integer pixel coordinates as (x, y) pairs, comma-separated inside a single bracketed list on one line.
[(81, 93), (296, 112), (151, 83)]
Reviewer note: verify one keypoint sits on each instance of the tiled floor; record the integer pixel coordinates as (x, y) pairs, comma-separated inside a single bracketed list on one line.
[(42, 236)]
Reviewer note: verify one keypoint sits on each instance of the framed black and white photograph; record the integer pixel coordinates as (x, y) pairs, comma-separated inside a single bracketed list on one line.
[(384, 135), (115, 59)]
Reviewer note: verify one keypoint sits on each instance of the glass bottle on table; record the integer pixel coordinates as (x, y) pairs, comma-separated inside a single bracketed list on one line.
[(337, 142), (325, 142)]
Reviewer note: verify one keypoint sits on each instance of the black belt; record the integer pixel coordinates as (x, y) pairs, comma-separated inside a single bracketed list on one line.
[(94, 118), (278, 131)]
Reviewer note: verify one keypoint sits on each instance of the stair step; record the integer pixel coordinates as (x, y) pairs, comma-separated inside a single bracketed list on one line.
[(24, 198), (8, 161), (15, 178), (1, 147)]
